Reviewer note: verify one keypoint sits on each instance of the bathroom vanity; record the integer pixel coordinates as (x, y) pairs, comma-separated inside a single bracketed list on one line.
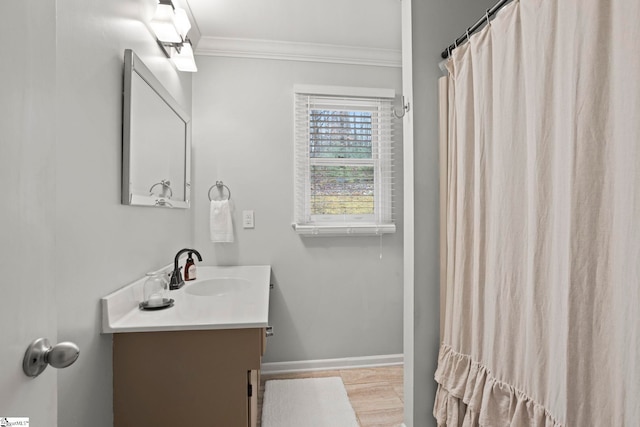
[(196, 363)]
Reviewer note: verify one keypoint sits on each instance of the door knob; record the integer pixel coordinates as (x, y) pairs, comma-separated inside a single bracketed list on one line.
[(40, 354)]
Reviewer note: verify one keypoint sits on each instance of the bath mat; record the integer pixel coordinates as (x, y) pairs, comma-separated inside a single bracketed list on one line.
[(307, 402)]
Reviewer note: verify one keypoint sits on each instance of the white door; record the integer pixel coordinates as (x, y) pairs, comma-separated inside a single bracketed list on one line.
[(27, 205)]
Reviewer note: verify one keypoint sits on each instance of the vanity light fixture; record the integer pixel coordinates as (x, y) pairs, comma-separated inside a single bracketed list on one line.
[(182, 22), (171, 25), (164, 25), (183, 58)]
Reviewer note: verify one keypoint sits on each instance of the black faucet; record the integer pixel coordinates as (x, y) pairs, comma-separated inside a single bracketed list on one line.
[(176, 281)]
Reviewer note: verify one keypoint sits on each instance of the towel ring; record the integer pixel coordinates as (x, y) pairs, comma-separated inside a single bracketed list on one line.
[(219, 185), (166, 185)]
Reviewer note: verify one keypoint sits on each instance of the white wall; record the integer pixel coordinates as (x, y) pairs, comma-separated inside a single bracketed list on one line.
[(334, 297), (27, 143), (435, 24), (101, 245)]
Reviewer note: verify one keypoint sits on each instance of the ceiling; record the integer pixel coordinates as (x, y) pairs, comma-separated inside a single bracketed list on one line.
[(359, 23)]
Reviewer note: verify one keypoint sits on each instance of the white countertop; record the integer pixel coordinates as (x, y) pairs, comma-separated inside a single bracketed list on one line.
[(248, 307)]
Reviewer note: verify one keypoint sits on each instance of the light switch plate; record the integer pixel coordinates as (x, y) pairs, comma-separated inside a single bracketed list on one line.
[(247, 219)]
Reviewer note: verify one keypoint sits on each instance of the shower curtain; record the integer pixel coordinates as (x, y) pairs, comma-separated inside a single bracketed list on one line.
[(541, 277)]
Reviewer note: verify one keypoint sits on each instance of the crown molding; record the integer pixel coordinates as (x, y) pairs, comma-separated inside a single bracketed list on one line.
[(296, 51)]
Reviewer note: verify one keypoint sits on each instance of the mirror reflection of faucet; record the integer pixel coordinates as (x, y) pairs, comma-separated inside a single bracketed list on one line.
[(165, 191), (176, 281)]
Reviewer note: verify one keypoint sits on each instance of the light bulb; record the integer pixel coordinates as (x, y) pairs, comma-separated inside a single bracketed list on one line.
[(182, 22), (164, 25), (184, 61)]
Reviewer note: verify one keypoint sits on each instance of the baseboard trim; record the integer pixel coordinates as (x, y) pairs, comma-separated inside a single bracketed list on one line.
[(330, 364)]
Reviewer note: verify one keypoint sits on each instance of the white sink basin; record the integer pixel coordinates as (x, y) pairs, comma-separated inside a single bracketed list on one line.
[(225, 297), (218, 286)]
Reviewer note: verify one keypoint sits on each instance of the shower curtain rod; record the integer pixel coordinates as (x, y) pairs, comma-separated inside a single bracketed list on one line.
[(486, 18)]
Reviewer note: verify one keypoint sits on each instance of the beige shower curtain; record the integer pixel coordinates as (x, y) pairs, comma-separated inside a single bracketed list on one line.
[(541, 275)]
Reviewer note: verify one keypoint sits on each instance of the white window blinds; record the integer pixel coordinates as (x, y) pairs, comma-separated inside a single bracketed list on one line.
[(343, 164)]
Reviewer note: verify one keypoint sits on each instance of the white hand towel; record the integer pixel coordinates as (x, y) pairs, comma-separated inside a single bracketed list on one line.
[(221, 226)]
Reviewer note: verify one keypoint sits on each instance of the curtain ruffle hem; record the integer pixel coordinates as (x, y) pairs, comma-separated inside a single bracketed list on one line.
[(469, 395)]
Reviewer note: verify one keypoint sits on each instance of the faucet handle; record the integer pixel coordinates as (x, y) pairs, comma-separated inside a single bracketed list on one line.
[(176, 281)]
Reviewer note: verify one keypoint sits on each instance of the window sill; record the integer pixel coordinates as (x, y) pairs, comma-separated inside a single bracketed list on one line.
[(307, 230)]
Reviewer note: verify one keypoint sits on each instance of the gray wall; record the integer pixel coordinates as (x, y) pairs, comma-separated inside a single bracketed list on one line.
[(101, 245), (334, 297), (436, 23)]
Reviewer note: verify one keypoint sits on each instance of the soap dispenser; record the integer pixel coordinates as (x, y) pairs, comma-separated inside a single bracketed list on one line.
[(190, 268)]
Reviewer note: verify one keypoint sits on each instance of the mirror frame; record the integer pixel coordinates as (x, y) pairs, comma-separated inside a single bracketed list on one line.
[(133, 64)]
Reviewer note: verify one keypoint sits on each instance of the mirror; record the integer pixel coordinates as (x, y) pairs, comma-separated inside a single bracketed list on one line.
[(156, 141)]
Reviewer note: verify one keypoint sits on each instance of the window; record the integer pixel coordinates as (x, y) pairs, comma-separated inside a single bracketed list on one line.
[(343, 161)]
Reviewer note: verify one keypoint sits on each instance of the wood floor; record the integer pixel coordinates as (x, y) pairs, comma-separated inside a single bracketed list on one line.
[(376, 394)]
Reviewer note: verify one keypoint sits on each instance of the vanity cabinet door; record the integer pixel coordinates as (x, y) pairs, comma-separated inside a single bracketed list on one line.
[(253, 378), (186, 378)]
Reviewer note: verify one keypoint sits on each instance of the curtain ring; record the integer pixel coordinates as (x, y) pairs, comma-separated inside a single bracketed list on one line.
[(468, 37), (486, 16)]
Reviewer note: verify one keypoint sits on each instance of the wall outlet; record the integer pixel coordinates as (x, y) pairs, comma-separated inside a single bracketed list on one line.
[(247, 219)]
